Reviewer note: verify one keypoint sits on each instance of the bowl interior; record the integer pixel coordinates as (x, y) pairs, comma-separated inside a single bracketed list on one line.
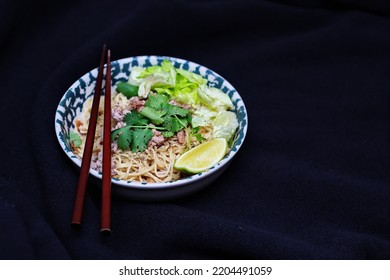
[(72, 102)]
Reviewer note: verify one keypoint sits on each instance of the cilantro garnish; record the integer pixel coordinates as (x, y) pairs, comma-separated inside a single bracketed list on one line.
[(153, 115), (157, 114), (125, 138), (134, 118), (197, 134), (157, 101), (141, 138)]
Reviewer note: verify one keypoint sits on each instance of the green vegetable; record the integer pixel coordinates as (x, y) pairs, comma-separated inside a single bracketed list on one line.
[(75, 139), (214, 98), (225, 125), (181, 85), (127, 89), (211, 106), (157, 114), (153, 114), (141, 138), (203, 116), (135, 119), (195, 132), (167, 134), (152, 77), (125, 139), (135, 78), (192, 77), (185, 89), (174, 123), (157, 101)]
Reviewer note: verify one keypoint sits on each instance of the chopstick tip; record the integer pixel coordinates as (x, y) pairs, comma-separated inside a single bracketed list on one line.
[(105, 231)]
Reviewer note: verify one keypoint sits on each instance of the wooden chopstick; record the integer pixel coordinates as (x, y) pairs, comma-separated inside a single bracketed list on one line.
[(106, 187), (78, 206)]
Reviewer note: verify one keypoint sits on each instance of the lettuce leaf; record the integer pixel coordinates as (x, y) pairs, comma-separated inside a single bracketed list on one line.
[(192, 77), (214, 98), (135, 78), (153, 77), (203, 116), (211, 105), (225, 125)]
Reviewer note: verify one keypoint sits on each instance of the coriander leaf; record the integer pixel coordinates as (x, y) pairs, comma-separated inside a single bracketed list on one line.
[(176, 110), (199, 137), (172, 124), (153, 114), (183, 121), (175, 124), (167, 134), (114, 134), (134, 118), (158, 101), (125, 139), (75, 139), (127, 89), (141, 138), (195, 132)]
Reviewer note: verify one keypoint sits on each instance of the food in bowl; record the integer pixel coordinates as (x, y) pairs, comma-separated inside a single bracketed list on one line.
[(167, 122)]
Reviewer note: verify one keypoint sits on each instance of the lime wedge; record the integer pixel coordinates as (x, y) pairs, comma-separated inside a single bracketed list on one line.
[(202, 157)]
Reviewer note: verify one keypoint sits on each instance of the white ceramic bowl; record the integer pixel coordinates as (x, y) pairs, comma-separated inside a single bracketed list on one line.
[(72, 102)]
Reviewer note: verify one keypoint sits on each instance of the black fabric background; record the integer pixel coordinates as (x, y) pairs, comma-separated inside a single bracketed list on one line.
[(311, 180)]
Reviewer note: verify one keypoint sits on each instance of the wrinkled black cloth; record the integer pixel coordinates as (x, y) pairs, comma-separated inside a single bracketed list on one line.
[(311, 180)]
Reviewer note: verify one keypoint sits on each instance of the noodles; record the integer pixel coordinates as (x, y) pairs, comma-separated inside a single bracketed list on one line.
[(157, 115), (153, 165)]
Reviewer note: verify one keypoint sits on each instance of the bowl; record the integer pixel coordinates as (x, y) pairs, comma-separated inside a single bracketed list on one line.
[(71, 105)]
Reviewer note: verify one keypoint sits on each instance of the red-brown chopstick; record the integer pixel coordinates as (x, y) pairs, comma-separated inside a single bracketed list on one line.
[(105, 226), (87, 154)]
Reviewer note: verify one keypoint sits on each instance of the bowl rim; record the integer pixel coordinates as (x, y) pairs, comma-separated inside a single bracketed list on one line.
[(142, 185)]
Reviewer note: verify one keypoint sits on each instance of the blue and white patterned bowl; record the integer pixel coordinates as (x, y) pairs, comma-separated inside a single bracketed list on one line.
[(72, 102)]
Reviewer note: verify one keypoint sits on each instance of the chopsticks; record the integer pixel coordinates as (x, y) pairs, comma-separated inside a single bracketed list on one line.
[(79, 201), (106, 188)]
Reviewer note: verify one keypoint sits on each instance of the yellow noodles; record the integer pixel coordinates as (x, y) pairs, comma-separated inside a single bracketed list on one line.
[(153, 165)]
